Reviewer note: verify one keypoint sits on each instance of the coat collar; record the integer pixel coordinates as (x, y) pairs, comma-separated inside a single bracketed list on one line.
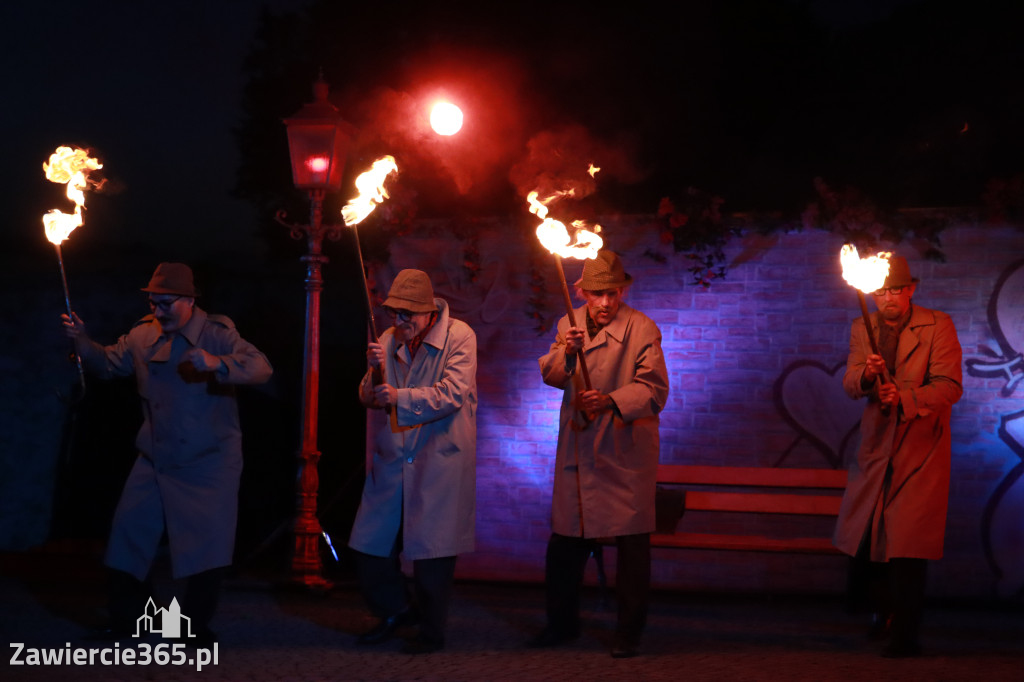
[(910, 338), (191, 331), (616, 329), (439, 332), (194, 327)]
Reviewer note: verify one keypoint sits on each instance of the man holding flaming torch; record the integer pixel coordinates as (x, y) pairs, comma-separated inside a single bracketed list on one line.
[(419, 498), (185, 481), (893, 514), (607, 456)]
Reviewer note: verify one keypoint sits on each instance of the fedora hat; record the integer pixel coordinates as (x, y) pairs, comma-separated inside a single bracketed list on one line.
[(899, 273), (411, 291), (172, 278), (603, 272)]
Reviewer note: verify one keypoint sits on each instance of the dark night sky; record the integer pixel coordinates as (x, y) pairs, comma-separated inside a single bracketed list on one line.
[(738, 98)]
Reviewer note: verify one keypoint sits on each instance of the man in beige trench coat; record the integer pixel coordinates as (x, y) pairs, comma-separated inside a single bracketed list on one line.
[(607, 456), (893, 513), (419, 498), (185, 481)]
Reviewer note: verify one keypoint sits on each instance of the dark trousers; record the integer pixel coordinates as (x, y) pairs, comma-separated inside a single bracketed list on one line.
[(385, 589), (893, 589), (128, 596), (563, 575)]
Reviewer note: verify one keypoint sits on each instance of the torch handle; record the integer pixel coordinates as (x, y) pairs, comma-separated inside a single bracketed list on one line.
[(67, 305), (572, 319), (377, 374), (871, 333), (366, 287)]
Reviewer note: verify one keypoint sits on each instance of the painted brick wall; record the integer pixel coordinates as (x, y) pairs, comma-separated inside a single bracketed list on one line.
[(783, 302)]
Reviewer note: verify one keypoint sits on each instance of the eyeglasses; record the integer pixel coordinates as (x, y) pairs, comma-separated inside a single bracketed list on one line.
[(895, 291), (404, 315), (163, 304)]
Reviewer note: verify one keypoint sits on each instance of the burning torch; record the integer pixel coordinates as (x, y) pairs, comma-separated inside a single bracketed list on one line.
[(554, 236), (69, 167), (371, 192), (866, 275)]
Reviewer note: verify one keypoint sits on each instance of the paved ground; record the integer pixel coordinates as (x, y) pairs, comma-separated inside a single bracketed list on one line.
[(271, 633)]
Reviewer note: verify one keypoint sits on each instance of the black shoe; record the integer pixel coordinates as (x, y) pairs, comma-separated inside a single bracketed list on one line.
[(384, 630), (204, 638), (625, 647), (422, 645), (110, 633), (549, 637), (898, 649), (880, 625)]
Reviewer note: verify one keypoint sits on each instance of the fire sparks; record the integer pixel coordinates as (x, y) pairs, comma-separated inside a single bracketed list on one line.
[(867, 274), (71, 167), (554, 236), (371, 191), (593, 170)]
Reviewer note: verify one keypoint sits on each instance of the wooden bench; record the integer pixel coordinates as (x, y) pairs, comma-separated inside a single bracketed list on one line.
[(721, 490), (746, 490)]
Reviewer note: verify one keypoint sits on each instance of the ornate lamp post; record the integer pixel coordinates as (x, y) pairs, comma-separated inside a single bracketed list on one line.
[(318, 141)]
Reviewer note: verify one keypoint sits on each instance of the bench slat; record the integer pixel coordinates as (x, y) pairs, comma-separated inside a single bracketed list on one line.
[(752, 543), (772, 477), (767, 503)]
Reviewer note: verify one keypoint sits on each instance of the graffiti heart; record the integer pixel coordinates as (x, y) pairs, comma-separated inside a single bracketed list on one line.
[(811, 398)]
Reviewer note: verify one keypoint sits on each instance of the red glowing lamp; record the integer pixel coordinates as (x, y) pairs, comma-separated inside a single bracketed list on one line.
[(445, 118), (318, 141)]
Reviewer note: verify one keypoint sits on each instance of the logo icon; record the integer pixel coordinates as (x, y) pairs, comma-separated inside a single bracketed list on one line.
[(168, 622)]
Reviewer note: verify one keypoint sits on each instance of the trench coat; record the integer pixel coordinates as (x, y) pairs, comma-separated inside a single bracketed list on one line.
[(422, 477), (187, 473), (898, 488), (605, 472)]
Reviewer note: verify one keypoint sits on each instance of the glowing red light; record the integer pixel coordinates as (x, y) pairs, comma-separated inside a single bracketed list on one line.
[(445, 118), (317, 164)]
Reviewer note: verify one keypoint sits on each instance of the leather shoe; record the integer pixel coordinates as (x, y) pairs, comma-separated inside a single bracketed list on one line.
[(384, 630), (204, 638), (109, 633), (549, 637), (624, 648), (422, 645), (880, 626), (900, 649)]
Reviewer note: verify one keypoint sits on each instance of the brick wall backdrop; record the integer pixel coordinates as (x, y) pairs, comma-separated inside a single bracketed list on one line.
[(730, 349), (783, 304)]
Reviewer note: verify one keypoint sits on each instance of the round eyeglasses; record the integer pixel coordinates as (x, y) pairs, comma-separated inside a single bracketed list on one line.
[(404, 315), (163, 304)]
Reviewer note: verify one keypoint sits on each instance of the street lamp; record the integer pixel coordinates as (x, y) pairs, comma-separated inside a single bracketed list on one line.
[(318, 141)]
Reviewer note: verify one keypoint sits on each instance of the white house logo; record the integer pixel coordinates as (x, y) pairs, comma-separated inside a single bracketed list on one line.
[(168, 622)]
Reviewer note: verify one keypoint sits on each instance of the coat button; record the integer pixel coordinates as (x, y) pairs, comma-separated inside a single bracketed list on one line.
[(410, 459)]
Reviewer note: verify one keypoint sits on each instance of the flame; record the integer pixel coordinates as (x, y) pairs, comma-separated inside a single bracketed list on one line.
[(371, 190), (867, 274), (593, 170), (71, 167), (553, 235)]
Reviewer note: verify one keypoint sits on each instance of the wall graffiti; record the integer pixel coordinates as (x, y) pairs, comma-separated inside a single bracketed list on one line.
[(811, 399), (1001, 527)]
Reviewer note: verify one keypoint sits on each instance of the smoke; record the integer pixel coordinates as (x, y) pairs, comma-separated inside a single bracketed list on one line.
[(560, 160), (474, 161)]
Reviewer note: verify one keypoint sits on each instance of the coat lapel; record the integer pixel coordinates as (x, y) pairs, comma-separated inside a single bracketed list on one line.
[(910, 339)]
